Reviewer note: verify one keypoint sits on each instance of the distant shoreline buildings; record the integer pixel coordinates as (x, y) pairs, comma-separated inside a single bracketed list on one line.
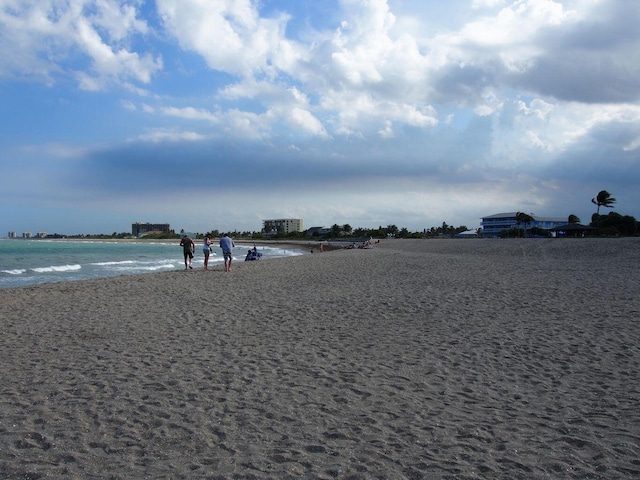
[(494, 224), (27, 235), (139, 229), (282, 225)]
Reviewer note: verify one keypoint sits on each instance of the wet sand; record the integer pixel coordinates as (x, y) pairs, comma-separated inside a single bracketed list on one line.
[(445, 359)]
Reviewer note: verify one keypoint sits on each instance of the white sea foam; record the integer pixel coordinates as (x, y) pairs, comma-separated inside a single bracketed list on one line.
[(108, 264), (57, 268), (163, 266), (17, 271), (138, 267), (280, 251)]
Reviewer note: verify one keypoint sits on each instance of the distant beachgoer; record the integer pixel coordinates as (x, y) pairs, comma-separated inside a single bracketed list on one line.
[(188, 247), (226, 244), (248, 257), (206, 249)]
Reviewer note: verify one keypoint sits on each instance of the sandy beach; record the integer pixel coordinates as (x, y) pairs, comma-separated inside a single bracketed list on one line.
[(418, 359)]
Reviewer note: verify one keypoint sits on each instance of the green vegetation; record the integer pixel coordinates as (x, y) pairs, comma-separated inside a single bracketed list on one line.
[(535, 232), (612, 224), (609, 225), (523, 218), (390, 231), (603, 199), (615, 224)]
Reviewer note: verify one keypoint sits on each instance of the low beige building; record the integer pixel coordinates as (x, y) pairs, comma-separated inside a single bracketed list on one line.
[(282, 225)]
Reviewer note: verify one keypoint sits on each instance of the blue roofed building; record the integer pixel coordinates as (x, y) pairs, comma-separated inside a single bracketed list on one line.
[(494, 224)]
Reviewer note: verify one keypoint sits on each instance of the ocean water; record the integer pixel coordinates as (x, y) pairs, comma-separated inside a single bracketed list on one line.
[(29, 262)]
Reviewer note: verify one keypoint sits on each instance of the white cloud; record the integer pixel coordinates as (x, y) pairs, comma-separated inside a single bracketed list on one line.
[(510, 39), (241, 124), (191, 113), (47, 38), (118, 19), (170, 136), (537, 132), (230, 35), (359, 64), (633, 145), (478, 4), (305, 120)]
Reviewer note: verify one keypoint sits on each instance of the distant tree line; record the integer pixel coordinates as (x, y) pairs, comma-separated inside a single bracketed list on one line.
[(612, 224), (346, 232)]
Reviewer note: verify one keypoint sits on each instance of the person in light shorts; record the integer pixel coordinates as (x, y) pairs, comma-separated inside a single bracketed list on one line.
[(206, 249), (226, 244)]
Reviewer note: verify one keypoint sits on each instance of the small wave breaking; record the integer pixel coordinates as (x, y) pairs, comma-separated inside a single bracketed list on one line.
[(57, 268)]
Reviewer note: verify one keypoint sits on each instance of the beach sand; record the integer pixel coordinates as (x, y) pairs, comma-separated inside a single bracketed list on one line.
[(434, 359)]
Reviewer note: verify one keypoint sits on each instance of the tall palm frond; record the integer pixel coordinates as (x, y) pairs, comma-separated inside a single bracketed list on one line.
[(603, 199), (525, 218)]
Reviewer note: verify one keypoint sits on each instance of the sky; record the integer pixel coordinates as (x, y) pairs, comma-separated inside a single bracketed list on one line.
[(218, 114)]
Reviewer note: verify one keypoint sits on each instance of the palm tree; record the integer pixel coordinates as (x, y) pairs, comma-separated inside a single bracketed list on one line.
[(522, 217), (603, 199), (392, 230)]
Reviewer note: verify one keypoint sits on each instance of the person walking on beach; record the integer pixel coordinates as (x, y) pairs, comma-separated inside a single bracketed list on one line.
[(188, 247), (206, 249), (226, 244)]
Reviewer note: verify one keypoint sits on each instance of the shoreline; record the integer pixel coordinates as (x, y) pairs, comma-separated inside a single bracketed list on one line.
[(43, 261), (454, 359)]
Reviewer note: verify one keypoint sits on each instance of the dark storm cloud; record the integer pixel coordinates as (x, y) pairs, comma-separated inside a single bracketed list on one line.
[(594, 61), (136, 167), (598, 158)]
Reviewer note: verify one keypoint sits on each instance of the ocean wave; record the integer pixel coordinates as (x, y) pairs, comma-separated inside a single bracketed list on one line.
[(148, 268), (135, 266), (57, 268), (280, 251), (159, 267), (17, 271), (108, 264)]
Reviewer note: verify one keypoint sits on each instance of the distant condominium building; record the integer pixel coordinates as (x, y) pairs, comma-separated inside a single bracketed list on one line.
[(494, 224), (282, 225), (26, 234), (12, 235), (139, 229)]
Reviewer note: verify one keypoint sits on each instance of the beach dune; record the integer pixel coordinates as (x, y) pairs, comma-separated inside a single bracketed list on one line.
[(446, 359)]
